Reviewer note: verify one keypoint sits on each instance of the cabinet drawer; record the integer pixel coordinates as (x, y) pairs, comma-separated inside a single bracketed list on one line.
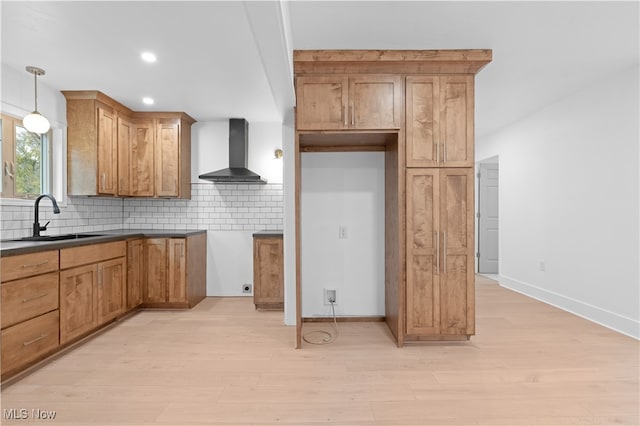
[(28, 298), (26, 265), (29, 341), (84, 255)]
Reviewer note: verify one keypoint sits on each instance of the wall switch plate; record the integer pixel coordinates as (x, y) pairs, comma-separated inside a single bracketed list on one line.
[(246, 288)]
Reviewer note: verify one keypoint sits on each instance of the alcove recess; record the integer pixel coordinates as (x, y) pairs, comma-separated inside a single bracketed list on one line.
[(418, 107)]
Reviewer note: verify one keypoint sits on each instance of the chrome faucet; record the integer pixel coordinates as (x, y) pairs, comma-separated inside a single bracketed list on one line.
[(36, 223)]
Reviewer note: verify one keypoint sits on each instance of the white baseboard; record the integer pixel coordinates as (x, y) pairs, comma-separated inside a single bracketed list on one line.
[(616, 322)]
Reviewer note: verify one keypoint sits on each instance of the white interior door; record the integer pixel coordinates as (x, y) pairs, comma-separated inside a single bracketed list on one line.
[(488, 218)]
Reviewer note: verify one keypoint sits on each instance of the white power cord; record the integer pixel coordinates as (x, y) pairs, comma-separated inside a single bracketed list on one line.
[(324, 337)]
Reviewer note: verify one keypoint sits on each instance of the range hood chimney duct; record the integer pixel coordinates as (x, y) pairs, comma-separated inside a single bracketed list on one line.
[(238, 157)]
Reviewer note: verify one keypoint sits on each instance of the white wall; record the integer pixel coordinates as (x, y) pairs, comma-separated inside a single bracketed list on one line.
[(229, 262), (230, 249), (210, 149), (569, 197), (342, 189), (289, 193)]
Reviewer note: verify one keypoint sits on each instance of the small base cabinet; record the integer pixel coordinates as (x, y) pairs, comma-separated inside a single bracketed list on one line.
[(30, 313), (268, 271), (175, 271)]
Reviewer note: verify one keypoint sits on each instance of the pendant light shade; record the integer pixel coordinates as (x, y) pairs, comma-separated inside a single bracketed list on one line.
[(36, 122)]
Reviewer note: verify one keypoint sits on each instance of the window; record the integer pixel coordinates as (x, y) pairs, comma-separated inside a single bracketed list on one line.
[(25, 160)]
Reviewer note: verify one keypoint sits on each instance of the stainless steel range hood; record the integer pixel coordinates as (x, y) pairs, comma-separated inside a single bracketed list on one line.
[(238, 154)]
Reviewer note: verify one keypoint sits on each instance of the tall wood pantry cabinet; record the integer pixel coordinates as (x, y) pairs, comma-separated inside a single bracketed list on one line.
[(415, 106), (112, 150)]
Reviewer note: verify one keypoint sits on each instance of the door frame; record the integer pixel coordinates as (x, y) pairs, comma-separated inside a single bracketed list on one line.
[(490, 160)]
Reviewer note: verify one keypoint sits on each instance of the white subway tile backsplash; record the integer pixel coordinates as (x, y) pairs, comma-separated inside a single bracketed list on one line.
[(227, 207)]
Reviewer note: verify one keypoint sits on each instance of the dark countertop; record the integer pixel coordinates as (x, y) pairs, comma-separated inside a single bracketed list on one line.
[(10, 247), (268, 234)]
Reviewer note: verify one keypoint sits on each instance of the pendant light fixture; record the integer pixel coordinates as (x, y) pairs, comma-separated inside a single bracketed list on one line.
[(36, 122)]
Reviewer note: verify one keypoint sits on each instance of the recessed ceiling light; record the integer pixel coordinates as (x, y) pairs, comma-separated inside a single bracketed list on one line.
[(148, 57), (147, 101)]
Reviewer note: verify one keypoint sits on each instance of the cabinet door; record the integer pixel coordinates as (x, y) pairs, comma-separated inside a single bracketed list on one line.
[(322, 103), (457, 297), (155, 262), (167, 158), (375, 102), (456, 120), (142, 153), (125, 132), (177, 270), (423, 278), (422, 121), (107, 152), (78, 299), (268, 269), (135, 273), (111, 289)]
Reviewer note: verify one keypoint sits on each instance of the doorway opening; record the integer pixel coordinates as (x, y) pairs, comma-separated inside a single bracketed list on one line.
[(487, 217)]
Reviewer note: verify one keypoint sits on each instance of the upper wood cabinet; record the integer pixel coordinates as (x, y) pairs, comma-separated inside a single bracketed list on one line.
[(112, 150), (439, 121), (168, 158), (107, 152), (349, 102)]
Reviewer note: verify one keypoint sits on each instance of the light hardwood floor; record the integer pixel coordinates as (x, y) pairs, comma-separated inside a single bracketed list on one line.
[(223, 363)]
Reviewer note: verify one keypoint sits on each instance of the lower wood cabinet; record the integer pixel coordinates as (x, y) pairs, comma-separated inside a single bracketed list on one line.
[(94, 293), (440, 278), (135, 272), (78, 301), (28, 342), (53, 298), (29, 310), (268, 271), (175, 271)]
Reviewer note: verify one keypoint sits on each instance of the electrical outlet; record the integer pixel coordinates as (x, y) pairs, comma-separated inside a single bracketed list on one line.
[(342, 232), (330, 295), (246, 288), (543, 267)]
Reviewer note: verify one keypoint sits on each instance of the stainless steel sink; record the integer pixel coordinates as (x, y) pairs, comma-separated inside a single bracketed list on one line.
[(58, 237)]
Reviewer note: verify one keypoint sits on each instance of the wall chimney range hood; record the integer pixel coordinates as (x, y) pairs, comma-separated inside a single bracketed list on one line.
[(238, 154)]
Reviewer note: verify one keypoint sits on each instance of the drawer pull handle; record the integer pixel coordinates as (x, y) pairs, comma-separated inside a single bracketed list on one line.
[(42, 336), (35, 265), (31, 299)]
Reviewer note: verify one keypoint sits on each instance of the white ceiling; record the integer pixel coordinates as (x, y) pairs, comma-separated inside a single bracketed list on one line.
[(229, 59)]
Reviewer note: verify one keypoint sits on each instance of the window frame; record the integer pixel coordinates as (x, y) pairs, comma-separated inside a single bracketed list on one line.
[(8, 153)]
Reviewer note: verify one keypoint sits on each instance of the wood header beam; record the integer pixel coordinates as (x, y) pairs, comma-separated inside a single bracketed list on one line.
[(391, 61)]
